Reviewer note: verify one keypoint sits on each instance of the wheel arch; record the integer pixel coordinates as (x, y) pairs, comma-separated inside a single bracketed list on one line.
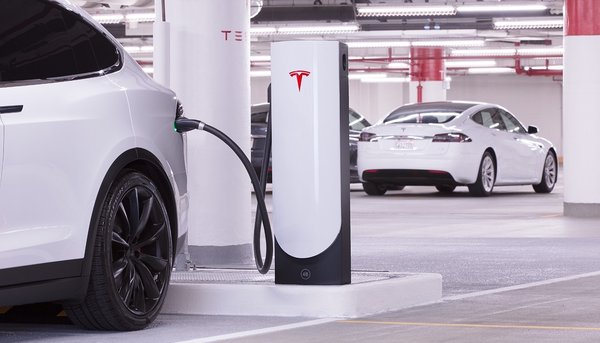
[(142, 161)]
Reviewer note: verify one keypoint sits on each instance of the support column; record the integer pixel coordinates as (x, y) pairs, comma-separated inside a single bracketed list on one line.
[(210, 72), (427, 72), (581, 114)]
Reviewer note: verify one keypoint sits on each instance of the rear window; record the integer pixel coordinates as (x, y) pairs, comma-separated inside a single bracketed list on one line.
[(402, 116)]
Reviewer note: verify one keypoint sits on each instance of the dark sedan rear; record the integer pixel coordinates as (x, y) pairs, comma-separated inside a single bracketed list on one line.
[(258, 131)]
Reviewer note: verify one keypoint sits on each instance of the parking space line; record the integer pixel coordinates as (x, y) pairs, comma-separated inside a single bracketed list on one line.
[(248, 333), (518, 287), (474, 326)]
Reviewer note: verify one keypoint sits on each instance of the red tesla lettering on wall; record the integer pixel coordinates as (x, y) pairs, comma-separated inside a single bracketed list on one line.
[(237, 35), (299, 74)]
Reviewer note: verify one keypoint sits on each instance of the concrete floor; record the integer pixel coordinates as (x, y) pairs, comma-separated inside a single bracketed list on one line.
[(484, 248)]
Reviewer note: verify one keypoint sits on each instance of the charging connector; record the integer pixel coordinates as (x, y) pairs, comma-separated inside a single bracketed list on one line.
[(183, 124)]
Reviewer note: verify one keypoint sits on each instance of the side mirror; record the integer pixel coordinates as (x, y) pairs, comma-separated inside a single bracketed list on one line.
[(532, 130)]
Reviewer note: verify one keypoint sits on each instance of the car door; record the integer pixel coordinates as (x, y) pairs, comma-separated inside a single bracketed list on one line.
[(63, 114), (1, 145), (499, 140), (526, 152)]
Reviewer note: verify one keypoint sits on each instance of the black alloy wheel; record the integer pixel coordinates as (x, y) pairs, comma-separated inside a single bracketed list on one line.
[(132, 261)]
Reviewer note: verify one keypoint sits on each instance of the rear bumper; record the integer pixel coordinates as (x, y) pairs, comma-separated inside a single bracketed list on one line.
[(409, 177), (455, 164)]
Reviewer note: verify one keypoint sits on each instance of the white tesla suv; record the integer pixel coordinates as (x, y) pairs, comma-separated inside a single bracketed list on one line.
[(449, 144), (93, 192)]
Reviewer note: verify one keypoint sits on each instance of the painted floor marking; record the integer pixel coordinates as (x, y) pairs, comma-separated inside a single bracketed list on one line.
[(474, 326), (518, 287), (248, 333)]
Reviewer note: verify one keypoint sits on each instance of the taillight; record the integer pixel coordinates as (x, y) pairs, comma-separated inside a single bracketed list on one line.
[(366, 136), (451, 137)]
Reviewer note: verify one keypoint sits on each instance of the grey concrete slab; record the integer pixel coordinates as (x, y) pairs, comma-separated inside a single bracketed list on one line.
[(560, 312)]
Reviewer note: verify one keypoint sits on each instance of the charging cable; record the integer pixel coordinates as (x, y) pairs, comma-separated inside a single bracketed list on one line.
[(183, 124)]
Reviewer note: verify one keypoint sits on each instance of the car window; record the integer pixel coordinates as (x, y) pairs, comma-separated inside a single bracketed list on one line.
[(489, 118), (41, 40), (511, 123), (356, 121), (424, 117)]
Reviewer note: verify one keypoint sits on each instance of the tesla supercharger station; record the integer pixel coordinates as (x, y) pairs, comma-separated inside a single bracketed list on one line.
[(311, 187)]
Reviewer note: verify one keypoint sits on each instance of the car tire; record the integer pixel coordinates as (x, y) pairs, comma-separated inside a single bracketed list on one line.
[(374, 189), (132, 259), (445, 189), (486, 177), (549, 175)]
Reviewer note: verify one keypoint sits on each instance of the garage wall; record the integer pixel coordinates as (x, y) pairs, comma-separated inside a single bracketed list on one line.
[(372, 100), (534, 100)]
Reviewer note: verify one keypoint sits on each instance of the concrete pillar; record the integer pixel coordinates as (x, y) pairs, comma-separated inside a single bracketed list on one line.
[(581, 114), (210, 72), (427, 72)]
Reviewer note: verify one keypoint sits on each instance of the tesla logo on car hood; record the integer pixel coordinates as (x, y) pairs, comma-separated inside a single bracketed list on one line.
[(299, 74)]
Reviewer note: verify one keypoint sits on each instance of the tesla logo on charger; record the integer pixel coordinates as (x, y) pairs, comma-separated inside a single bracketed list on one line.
[(299, 74)]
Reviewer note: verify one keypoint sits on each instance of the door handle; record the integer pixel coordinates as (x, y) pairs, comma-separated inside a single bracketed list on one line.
[(11, 109)]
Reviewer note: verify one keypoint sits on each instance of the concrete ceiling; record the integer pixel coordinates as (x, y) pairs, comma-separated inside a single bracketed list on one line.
[(414, 28)]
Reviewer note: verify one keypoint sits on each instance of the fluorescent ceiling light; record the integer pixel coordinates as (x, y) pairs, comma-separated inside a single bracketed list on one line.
[(404, 11), (403, 44), (148, 70), (471, 64), (483, 52), (360, 76), (398, 65), (385, 79), (300, 30), (140, 17), (109, 18), (498, 70), (540, 51), (528, 24), (260, 73), (501, 8), (557, 51), (262, 30), (260, 58), (291, 30), (552, 67), (381, 44), (470, 42)]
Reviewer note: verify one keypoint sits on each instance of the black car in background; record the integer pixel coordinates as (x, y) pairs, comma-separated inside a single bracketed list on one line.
[(258, 132)]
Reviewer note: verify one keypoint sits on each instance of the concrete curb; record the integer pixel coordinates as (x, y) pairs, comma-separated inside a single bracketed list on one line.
[(396, 292)]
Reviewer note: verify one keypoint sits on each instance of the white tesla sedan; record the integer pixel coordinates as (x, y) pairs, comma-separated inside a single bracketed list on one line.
[(93, 191), (450, 144)]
